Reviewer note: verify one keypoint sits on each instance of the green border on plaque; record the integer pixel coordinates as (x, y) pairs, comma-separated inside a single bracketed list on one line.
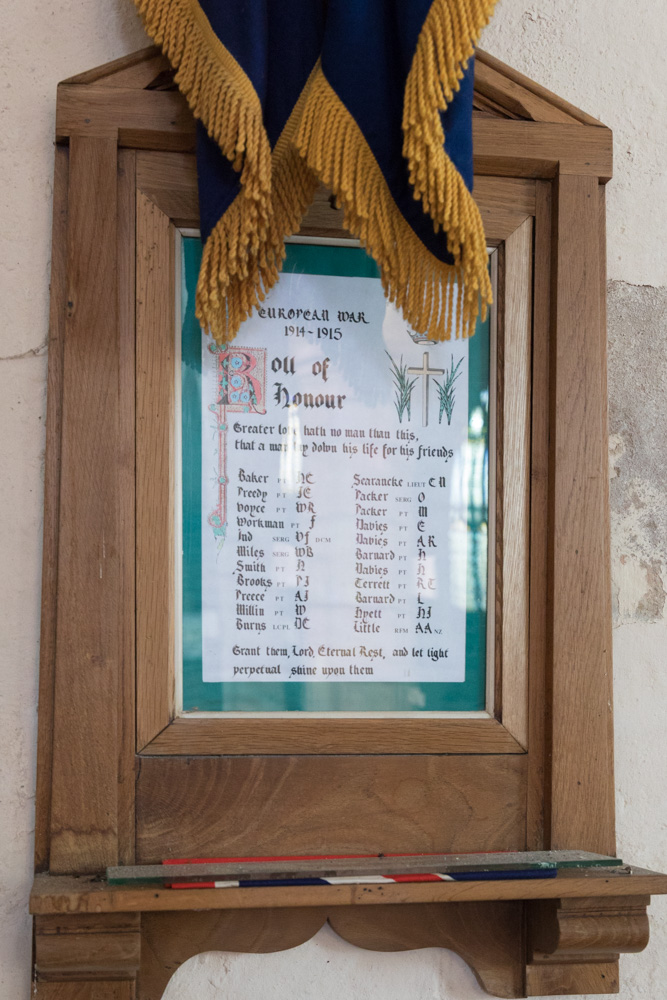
[(322, 696)]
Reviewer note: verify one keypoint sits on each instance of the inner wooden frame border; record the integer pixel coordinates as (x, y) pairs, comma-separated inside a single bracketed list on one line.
[(166, 199), (492, 645)]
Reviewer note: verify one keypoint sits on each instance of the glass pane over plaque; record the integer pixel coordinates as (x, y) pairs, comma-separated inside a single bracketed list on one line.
[(335, 501)]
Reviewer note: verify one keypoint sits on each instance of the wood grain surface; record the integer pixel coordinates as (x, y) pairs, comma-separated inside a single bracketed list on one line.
[(582, 794), (541, 149), (320, 805), (169, 181), (494, 85), (572, 929), (572, 979), (83, 991), (169, 939), (47, 645), (539, 520), (84, 823), (87, 946), (512, 75), (126, 234), (155, 482), (168, 196), (138, 119), (153, 119), (197, 735), (515, 497), (126, 66), (69, 895), (487, 936)]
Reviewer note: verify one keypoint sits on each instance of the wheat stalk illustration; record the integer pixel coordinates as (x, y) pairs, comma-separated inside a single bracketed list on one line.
[(403, 387), (447, 390)]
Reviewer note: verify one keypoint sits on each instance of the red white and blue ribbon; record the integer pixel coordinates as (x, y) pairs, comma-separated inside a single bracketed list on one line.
[(367, 879)]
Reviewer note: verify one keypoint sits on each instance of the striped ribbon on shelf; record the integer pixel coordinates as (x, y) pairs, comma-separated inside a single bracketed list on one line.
[(368, 879)]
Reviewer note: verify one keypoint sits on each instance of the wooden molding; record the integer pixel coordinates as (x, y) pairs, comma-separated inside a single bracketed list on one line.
[(576, 930), (126, 69), (101, 949), (170, 939), (540, 527), (513, 526), (580, 767), (167, 197), (87, 947), (89, 620), (66, 895), (154, 471), (572, 942), (126, 289), (528, 90), (487, 936), (510, 96), (355, 804), (161, 120), (47, 646), (196, 735), (511, 93)]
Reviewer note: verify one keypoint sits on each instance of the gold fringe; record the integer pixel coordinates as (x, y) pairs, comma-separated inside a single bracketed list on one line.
[(416, 281), (221, 95), (243, 255), (446, 43), (229, 288)]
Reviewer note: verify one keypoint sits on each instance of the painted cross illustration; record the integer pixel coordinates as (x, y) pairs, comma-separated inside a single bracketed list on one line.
[(425, 372)]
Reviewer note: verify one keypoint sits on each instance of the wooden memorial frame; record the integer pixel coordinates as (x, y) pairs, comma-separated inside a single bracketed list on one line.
[(164, 181), (121, 779)]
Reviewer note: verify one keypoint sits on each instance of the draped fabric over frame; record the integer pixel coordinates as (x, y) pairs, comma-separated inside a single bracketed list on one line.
[(372, 97)]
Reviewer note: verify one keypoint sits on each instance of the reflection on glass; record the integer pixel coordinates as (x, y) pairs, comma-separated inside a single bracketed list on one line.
[(335, 502)]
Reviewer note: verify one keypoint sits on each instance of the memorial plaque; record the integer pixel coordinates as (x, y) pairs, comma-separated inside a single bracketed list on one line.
[(335, 501)]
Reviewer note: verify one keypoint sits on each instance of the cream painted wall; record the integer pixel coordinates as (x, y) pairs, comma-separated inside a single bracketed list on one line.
[(604, 55)]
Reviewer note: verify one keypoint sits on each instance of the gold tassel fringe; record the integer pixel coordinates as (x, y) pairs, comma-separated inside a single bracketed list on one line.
[(243, 255), (222, 96), (446, 43), (416, 281), (230, 286)]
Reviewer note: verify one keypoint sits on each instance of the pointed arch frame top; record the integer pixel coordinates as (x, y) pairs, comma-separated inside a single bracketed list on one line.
[(519, 127)]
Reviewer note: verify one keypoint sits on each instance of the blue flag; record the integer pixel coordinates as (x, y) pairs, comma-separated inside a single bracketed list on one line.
[(371, 97)]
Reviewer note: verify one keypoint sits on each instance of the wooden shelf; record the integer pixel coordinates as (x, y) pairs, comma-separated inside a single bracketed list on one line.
[(529, 937), (54, 894)]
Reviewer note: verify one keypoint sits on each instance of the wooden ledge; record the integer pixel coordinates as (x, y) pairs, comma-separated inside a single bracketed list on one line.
[(61, 894), (531, 937)]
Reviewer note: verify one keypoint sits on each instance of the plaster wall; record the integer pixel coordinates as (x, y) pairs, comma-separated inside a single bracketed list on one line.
[(604, 55)]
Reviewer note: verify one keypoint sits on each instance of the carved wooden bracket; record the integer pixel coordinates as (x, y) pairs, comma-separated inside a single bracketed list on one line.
[(488, 936), (571, 943), (88, 947), (575, 943), (576, 930)]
